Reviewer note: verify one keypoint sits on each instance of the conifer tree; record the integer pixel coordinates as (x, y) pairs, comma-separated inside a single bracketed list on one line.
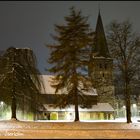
[(69, 57), (19, 78)]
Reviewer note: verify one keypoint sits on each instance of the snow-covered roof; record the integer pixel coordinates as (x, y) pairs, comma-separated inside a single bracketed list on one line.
[(100, 107), (24, 48), (48, 89)]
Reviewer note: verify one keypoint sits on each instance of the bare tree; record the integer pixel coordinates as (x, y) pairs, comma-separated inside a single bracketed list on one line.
[(124, 46)]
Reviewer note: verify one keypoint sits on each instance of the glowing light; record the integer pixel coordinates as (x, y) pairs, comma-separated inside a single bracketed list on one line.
[(1, 103), (124, 107), (134, 105)]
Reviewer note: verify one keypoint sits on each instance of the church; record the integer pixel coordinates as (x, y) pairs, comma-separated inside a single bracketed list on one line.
[(102, 96)]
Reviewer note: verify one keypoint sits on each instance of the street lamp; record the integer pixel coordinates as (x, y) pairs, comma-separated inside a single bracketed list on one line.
[(124, 107), (1, 103), (134, 105)]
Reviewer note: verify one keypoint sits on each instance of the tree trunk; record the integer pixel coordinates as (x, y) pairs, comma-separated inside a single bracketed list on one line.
[(128, 112), (75, 83), (13, 108), (127, 95), (128, 106), (76, 109), (14, 104)]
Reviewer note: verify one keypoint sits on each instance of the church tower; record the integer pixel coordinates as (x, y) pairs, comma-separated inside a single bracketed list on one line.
[(101, 69)]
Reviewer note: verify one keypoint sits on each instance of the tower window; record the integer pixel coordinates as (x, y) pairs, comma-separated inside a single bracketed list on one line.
[(103, 74), (100, 66)]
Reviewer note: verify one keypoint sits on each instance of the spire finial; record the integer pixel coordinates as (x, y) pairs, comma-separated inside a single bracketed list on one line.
[(99, 7)]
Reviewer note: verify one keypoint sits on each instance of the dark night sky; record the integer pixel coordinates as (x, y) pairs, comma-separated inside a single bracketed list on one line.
[(30, 23)]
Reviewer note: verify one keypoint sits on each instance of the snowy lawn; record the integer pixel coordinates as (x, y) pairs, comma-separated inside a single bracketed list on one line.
[(102, 124), (68, 130)]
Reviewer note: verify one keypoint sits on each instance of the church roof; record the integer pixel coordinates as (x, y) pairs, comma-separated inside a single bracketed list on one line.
[(48, 89), (101, 47), (99, 107)]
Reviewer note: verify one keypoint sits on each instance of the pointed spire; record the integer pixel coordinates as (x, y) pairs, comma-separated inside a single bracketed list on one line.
[(101, 45), (99, 7)]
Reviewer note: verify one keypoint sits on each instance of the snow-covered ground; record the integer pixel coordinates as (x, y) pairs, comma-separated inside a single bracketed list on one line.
[(108, 124), (134, 120), (68, 130)]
